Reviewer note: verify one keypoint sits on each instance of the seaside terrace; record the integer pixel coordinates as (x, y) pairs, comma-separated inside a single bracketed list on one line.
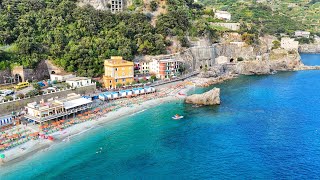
[(58, 108)]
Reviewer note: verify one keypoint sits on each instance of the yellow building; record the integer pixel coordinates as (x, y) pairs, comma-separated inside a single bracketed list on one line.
[(117, 71)]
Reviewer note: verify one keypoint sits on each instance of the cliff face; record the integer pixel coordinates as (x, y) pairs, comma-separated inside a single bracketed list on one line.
[(278, 60), (234, 51), (310, 48), (211, 97)]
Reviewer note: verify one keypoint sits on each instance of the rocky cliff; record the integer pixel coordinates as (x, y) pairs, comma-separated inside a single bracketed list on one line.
[(310, 48), (211, 97), (233, 51), (277, 60)]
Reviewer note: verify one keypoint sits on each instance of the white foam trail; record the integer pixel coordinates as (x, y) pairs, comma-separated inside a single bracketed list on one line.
[(81, 132), (138, 112)]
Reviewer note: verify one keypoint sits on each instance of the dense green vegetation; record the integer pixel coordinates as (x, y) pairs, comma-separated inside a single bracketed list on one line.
[(77, 39), (278, 16), (80, 38)]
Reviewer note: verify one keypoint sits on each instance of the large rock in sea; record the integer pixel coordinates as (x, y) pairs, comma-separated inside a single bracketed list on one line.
[(211, 97)]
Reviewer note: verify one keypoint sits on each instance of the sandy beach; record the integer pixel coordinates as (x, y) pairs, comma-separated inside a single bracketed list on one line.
[(31, 147), (175, 93)]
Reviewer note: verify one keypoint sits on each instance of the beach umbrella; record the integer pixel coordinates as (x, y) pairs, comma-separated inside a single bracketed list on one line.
[(32, 135), (2, 156), (50, 138), (15, 136)]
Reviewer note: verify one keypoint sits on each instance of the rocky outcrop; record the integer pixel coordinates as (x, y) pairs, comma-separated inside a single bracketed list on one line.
[(211, 97), (277, 60), (310, 48), (233, 51)]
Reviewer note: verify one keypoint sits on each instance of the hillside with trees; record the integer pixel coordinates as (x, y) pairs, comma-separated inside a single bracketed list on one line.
[(80, 38), (272, 16)]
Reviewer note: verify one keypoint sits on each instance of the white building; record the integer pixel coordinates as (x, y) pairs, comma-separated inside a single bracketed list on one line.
[(224, 15), (58, 108), (79, 81), (165, 68), (61, 77), (142, 66), (231, 26), (237, 43), (289, 44), (305, 34)]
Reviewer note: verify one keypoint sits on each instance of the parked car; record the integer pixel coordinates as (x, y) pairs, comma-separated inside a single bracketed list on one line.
[(21, 85), (4, 93)]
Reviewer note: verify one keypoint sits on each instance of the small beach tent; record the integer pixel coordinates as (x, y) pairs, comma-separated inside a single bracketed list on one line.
[(153, 89), (129, 92), (142, 91), (122, 93), (136, 91), (115, 95), (102, 97), (147, 89), (5, 120), (107, 95)]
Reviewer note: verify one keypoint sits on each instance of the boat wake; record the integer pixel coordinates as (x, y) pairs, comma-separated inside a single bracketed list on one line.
[(81, 132), (138, 112)]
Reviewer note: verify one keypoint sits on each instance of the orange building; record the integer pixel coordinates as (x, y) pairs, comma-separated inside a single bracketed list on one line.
[(117, 71)]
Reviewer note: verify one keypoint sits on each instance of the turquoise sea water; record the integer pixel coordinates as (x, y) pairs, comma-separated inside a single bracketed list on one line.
[(266, 127)]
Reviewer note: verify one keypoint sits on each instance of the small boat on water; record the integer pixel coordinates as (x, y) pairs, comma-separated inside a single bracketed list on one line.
[(177, 116)]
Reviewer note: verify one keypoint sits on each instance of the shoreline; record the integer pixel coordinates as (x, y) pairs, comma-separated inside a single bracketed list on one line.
[(17, 154), (32, 147)]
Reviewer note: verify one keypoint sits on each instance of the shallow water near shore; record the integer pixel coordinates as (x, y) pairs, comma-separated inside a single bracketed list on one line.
[(266, 127)]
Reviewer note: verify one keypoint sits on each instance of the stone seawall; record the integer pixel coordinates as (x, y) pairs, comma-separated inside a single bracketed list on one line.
[(17, 105)]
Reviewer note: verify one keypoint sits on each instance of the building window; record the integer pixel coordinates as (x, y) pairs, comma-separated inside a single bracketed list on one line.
[(110, 82), (123, 80), (116, 69), (116, 80)]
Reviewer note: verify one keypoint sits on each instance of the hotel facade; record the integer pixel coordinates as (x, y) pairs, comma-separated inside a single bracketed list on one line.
[(117, 71), (165, 68)]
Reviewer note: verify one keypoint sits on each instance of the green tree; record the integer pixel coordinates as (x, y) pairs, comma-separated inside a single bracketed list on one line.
[(118, 85), (153, 78), (153, 5), (36, 86), (276, 44), (240, 59)]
